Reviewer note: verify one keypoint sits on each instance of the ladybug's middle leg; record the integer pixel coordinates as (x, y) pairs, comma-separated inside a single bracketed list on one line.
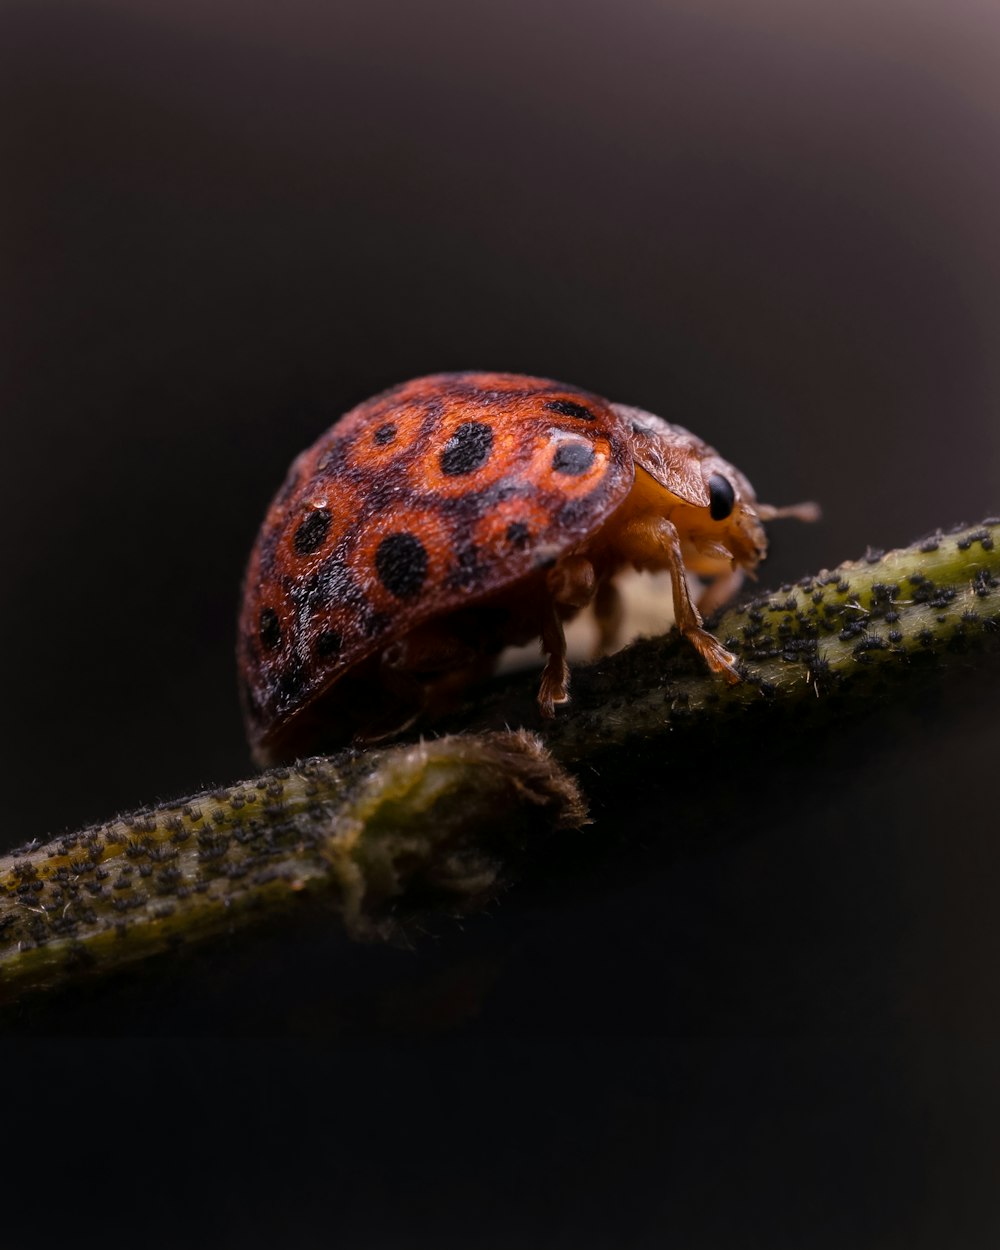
[(570, 584), (609, 613), (554, 686)]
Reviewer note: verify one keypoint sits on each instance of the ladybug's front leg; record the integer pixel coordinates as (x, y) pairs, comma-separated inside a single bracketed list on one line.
[(652, 541)]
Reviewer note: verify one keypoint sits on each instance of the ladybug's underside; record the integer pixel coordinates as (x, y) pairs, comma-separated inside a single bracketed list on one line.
[(451, 517)]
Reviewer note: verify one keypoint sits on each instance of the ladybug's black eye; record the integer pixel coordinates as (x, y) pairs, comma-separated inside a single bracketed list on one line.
[(722, 497)]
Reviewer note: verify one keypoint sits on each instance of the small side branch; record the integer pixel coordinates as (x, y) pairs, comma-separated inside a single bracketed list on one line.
[(367, 834)]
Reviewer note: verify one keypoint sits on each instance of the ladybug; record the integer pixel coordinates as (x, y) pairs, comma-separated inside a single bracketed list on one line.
[(458, 514)]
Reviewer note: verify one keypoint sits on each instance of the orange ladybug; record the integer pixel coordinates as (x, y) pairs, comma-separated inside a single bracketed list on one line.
[(457, 514)]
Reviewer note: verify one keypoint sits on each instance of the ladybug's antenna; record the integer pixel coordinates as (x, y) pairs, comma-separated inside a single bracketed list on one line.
[(797, 511)]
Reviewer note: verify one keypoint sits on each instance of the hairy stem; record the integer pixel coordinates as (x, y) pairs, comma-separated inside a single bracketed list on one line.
[(846, 633), (375, 837), (378, 836)]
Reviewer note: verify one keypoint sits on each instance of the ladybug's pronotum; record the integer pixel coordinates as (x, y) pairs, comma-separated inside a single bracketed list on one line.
[(455, 515)]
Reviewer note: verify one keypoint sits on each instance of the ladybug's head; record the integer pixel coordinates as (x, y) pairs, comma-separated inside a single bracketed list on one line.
[(726, 529), (716, 513)]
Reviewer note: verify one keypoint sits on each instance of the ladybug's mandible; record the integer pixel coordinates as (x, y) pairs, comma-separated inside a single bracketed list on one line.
[(455, 515)]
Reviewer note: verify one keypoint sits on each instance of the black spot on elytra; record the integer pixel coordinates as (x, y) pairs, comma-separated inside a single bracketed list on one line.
[(290, 682), (575, 511), (467, 449), (269, 628), (401, 564), (334, 584), (375, 623), (467, 570), (566, 408), (518, 534), (331, 584), (310, 534), (384, 434), (573, 458), (328, 643)]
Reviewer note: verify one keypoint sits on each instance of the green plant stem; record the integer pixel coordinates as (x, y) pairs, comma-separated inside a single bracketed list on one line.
[(375, 837), (859, 629), (382, 835)]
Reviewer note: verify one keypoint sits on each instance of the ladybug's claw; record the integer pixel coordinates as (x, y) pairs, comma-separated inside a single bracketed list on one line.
[(554, 687), (715, 655)]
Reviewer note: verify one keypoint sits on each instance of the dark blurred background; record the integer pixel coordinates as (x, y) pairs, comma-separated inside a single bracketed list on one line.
[(224, 224)]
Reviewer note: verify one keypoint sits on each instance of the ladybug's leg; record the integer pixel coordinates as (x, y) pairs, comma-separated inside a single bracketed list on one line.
[(609, 613), (572, 581), (719, 592), (652, 541), (555, 675)]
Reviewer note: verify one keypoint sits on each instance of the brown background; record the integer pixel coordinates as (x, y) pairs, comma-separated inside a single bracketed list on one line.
[(225, 223)]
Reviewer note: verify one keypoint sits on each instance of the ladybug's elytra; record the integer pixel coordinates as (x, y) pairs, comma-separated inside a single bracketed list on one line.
[(457, 514)]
